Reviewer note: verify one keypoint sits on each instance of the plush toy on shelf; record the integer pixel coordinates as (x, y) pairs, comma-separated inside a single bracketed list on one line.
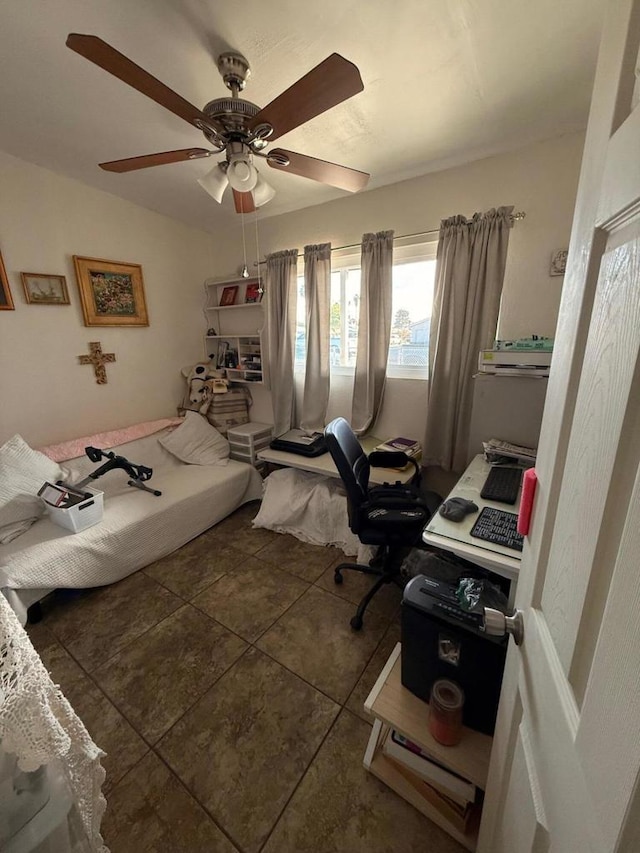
[(203, 381)]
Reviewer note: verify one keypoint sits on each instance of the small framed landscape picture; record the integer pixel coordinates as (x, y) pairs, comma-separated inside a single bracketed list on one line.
[(112, 293), (43, 289), (228, 295), (6, 302), (253, 293)]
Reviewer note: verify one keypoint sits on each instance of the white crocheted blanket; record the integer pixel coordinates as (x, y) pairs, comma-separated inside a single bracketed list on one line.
[(39, 726)]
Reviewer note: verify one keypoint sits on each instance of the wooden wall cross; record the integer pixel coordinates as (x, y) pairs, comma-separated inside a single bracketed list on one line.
[(98, 359)]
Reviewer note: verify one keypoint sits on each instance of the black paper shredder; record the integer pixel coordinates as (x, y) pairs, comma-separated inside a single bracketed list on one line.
[(441, 640)]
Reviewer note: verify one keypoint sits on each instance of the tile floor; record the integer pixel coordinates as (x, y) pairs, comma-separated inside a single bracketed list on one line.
[(226, 687)]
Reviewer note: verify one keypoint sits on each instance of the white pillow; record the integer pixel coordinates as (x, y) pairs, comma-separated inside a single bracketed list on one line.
[(22, 472), (196, 442)]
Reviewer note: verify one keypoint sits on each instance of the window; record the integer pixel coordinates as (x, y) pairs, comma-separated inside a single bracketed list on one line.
[(413, 280)]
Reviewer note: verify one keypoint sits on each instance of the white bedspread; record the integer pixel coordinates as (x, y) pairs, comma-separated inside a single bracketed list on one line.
[(137, 528), (310, 507)]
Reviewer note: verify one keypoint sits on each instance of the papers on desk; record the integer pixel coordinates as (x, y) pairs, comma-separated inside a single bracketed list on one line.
[(497, 451)]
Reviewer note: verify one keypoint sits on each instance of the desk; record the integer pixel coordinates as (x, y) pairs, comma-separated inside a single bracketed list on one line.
[(456, 536), (324, 464)]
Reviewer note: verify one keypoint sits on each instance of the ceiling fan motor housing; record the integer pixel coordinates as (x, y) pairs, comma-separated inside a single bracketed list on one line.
[(233, 114)]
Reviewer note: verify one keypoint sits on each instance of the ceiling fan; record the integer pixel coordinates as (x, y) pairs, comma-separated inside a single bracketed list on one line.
[(237, 127)]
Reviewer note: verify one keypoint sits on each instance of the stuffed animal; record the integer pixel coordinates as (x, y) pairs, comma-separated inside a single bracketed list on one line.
[(203, 380)]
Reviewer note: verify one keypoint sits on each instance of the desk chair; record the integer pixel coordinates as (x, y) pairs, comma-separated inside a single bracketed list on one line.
[(391, 516)]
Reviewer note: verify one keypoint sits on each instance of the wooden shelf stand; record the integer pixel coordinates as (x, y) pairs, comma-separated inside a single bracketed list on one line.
[(395, 707)]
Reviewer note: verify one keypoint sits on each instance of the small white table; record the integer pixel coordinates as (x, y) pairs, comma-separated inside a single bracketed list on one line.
[(456, 536), (324, 464)]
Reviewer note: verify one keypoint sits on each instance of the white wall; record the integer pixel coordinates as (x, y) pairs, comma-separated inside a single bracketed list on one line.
[(45, 394), (45, 219), (540, 180)]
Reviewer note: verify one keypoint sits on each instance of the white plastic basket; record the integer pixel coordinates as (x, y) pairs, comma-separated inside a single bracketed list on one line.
[(81, 515)]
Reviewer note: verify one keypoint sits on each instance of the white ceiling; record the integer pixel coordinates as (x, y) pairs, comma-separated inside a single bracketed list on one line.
[(446, 82)]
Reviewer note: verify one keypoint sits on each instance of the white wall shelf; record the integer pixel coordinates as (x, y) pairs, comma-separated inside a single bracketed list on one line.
[(238, 343)]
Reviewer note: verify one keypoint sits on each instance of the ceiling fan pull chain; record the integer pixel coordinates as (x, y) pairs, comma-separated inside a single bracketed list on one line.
[(245, 269), (260, 288)]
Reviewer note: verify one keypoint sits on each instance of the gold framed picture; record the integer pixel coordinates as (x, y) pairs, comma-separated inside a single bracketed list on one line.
[(112, 293), (43, 289), (6, 302)]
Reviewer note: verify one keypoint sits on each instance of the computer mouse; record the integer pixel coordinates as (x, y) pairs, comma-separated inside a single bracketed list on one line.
[(455, 509)]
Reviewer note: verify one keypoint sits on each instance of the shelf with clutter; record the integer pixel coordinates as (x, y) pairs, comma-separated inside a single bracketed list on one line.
[(448, 787), (234, 340)]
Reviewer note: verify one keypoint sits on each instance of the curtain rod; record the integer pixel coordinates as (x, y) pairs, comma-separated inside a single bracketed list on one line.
[(515, 217)]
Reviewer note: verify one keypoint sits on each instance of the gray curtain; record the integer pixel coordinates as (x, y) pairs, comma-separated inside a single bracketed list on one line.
[(281, 296), (374, 329), (470, 268), (317, 284)]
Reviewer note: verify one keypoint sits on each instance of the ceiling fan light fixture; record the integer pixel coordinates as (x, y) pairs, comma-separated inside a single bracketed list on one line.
[(215, 182), (242, 174), (262, 192)]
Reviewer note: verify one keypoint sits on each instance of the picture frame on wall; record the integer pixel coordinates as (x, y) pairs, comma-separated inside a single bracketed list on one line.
[(558, 263), (44, 289), (253, 292), (228, 295), (111, 292), (6, 301)]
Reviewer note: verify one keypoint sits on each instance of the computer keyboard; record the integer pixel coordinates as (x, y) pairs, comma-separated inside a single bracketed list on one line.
[(502, 485), (498, 526)]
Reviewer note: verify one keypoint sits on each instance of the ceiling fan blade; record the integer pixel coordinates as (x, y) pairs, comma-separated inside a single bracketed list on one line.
[(319, 170), (326, 85), (133, 163), (99, 52), (244, 202)]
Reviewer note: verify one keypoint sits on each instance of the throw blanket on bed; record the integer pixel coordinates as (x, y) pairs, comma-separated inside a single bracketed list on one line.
[(105, 440)]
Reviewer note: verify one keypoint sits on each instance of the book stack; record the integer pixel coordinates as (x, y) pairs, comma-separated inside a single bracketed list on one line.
[(452, 795), (409, 446)]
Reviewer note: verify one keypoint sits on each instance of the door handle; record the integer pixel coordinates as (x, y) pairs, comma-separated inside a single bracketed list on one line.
[(497, 624)]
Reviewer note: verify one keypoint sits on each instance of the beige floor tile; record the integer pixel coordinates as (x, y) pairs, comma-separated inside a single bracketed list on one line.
[(192, 569), (298, 558), (250, 600), (149, 811), (340, 807), (375, 666), (108, 728), (100, 623), (355, 585), (314, 639), (243, 748), (162, 673)]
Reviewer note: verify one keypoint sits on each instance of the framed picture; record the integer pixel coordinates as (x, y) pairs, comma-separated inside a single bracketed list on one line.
[(228, 295), (253, 292), (6, 302), (42, 289), (112, 293), (558, 262)]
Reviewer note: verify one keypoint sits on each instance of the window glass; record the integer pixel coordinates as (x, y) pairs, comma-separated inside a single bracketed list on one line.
[(410, 318), (412, 302)]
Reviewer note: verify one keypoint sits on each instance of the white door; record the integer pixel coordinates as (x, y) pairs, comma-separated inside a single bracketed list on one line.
[(565, 771)]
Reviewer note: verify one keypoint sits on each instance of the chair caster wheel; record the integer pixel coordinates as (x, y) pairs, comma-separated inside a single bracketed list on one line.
[(356, 623), (337, 579)]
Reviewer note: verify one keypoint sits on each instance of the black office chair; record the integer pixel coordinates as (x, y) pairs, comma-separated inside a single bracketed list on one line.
[(391, 516)]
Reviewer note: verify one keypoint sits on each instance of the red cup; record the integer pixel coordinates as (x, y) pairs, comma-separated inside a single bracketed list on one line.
[(445, 712)]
